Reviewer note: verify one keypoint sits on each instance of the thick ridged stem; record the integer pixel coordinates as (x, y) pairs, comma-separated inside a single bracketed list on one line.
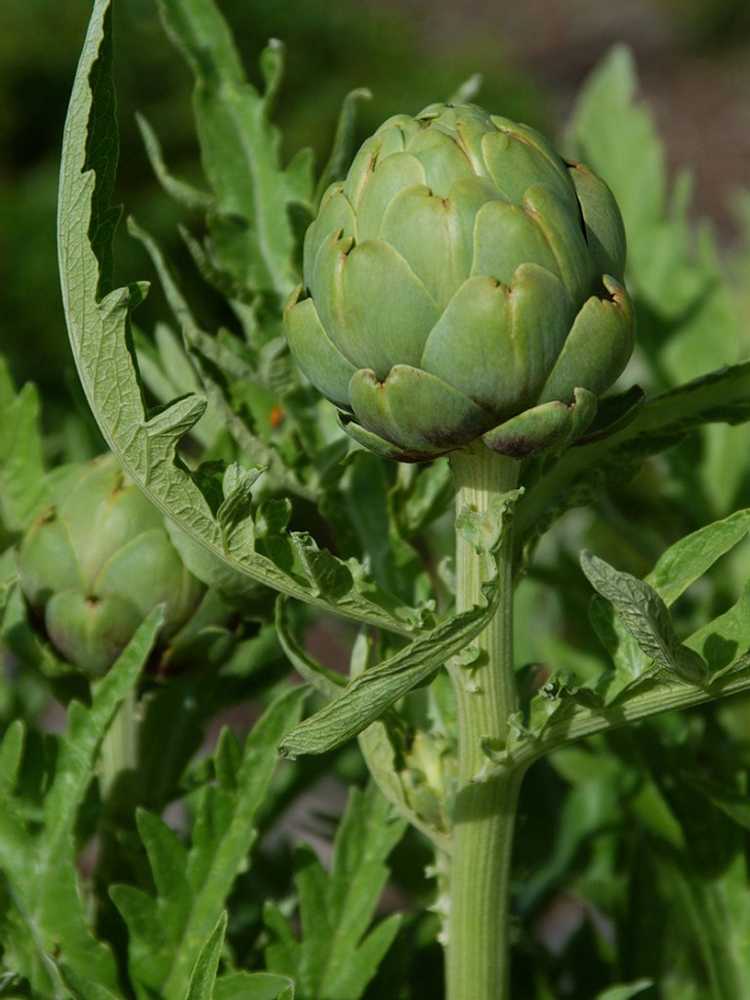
[(477, 946)]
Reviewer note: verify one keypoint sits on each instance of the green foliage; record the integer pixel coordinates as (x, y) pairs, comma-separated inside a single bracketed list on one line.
[(240, 152), (22, 493), (625, 992), (45, 926), (146, 444), (687, 323), (335, 957), (372, 692), (168, 931), (193, 892)]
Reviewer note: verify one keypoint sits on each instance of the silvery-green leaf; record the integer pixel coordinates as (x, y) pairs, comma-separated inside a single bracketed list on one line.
[(367, 696), (582, 472), (98, 320), (645, 617)]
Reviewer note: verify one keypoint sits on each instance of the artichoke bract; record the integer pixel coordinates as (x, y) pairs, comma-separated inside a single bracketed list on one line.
[(97, 562), (462, 282)]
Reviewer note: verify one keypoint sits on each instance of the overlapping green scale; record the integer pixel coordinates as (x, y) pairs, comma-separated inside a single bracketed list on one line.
[(391, 176), (511, 160), (598, 346), (463, 281), (384, 307), (523, 242), (327, 368), (605, 232), (336, 215), (443, 159), (417, 216), (416, 410)]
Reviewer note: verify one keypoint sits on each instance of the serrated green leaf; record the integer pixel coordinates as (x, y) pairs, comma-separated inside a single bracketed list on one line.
[(645, 617), (239, 147), (725, 640), (692, 556), (383, 759), (39, 864), (334, 958), (23, 488), (368, 696), (369, 499), (99, 326), (168, 931), (186, 194), (235, 512), (688, 321), (327, 682), (426, 494)]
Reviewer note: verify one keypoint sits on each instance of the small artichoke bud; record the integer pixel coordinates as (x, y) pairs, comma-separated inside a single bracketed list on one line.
[(93, 565), (462, 282)]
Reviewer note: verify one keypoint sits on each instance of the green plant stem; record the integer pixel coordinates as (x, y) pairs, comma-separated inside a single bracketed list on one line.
[(120, 745), (477, 948)]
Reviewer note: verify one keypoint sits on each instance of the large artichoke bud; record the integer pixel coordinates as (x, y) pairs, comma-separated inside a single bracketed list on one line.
[(93, 565), (462, 282)]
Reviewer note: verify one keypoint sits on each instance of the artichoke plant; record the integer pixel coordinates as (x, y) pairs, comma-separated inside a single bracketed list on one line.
[(95, 563), (462, 282)]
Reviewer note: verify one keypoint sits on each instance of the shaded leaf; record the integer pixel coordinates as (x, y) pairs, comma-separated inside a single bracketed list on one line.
[(253, 986), (23, 492), (645, 617), (336, 957), (47, 916), (168, 931)]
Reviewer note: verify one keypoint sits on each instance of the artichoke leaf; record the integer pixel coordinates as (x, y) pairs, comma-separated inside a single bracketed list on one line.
[(416, 410), (549, 425), (318, 357), (598, 347), (378, 445)]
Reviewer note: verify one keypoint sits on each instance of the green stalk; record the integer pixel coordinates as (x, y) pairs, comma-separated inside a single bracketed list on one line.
[(120, 745), (484, 817)]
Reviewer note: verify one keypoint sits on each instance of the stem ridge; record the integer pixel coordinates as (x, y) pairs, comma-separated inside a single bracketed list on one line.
[(484, 813)]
